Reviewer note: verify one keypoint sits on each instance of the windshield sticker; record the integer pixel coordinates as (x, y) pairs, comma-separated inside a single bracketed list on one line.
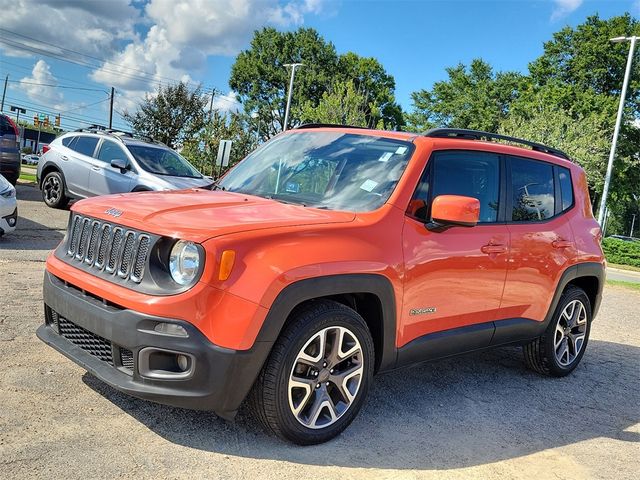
[(292, 187), (401, 150), (385, 157), (368, 185)]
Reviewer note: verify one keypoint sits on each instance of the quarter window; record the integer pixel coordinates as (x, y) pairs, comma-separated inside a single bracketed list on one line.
[(566, 188), (471, 174), (532, 187), (85, 145), (110, 151)]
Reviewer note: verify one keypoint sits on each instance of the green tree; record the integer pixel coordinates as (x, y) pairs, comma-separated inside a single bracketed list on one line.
[(202, 149), (261, 81), (472, 97), (173, 115), (341, 104)]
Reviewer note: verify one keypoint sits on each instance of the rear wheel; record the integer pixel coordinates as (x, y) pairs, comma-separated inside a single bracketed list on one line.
[(559, 350), (317, 376), (53, 190)]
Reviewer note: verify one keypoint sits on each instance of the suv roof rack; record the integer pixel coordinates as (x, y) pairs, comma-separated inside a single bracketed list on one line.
[(305, 126), (480, 135), (99, 129)]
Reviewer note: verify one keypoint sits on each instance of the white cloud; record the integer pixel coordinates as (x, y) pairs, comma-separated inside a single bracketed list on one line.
[(226, 103), (93, 28), (32, 86), (636, 7), (564, 7)]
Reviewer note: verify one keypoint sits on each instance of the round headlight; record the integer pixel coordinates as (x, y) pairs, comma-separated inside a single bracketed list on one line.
[(184, 262)]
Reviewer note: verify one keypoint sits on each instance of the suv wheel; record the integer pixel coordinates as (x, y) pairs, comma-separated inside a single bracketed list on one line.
[(559, 351), (317, 376), (53, 190)]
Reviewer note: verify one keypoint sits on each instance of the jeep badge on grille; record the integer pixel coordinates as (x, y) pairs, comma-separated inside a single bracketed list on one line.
[(114, 212)]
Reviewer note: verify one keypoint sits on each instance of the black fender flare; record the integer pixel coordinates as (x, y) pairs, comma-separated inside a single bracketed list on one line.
[(587, 269), (311, 288), (46, 167)]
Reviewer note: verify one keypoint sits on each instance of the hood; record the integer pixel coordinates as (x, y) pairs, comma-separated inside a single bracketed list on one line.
[(198, 215)]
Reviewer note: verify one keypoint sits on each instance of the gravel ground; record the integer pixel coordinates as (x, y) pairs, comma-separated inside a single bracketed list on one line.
[(478, 416)]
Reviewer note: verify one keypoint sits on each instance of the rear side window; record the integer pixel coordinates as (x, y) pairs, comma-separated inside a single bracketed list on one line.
[(85, 145), (566, 187), (6, 127), (532, 190)]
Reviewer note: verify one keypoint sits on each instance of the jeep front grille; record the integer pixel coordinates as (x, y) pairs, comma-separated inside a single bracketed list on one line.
[(111, 249)]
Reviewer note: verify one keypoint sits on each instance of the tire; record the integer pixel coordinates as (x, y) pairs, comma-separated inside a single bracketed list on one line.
[(559, 350), (53, 188), (299, 410)]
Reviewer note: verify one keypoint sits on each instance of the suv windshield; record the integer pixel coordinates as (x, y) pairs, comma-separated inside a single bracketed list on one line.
[(323, 169), (162, 161)]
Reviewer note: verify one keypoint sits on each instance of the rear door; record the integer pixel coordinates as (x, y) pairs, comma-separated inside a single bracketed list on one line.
[(542, 242), (77, 162), (105, 179)]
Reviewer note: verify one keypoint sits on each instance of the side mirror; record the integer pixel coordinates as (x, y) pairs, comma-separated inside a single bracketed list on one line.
[(454, 210), (123, 165)]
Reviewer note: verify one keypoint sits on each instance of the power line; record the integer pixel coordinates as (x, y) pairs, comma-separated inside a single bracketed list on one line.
[(39, 108), (25, 82), (58, 56)]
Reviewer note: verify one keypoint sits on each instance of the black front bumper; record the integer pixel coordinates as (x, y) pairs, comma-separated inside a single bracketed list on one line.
[(220, 380)]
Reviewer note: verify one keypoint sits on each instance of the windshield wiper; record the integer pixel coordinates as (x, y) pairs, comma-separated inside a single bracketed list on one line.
[(216, 186), (285, 201)]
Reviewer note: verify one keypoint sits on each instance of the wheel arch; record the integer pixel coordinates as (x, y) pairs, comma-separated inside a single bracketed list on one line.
[(589, 277), (371, 295), (47, 168)]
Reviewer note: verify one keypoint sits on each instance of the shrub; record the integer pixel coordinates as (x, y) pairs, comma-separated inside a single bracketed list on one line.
[(621, 252)]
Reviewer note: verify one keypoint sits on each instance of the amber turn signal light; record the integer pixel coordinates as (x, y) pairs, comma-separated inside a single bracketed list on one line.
[(226, 264)]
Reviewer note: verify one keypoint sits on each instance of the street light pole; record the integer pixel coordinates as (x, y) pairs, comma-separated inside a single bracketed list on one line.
[(614, 143), (293, 74)]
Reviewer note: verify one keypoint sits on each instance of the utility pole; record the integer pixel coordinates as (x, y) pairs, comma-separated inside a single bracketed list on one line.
[(633, 223), (614, 143), (113, 91), (213, 94), (293, 74), (4, 92)]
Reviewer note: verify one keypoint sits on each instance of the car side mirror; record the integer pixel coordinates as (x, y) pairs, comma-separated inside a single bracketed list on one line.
[(123, 165), (454, 211)]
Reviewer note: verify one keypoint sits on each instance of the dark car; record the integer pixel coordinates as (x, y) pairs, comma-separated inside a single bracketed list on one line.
[(9, 149)]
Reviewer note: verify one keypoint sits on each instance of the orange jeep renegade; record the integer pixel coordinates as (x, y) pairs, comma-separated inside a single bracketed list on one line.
[(327, 255)]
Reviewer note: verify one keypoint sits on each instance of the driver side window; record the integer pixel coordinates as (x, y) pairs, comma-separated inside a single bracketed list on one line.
[(110, 151), (467, 173)]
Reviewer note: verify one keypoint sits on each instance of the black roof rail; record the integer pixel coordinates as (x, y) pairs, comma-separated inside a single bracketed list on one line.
[(305, 126), (480, 135), (98, 129)]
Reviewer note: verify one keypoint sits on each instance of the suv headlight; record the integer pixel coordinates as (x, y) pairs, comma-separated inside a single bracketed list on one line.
[(184, 262)]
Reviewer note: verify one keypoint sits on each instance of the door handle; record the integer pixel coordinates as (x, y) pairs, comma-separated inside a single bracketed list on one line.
[(96, 169), (64, 157), (489, 249), (561, 244)]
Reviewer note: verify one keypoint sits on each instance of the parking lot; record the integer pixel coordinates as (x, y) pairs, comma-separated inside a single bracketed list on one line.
[(478, 416)]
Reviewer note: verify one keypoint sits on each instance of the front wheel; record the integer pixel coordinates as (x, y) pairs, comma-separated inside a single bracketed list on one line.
[(559, 350), (317, 376)]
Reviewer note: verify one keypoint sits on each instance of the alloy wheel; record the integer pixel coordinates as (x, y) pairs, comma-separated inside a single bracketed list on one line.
[(52, 189), (325, 377), (570, 333)]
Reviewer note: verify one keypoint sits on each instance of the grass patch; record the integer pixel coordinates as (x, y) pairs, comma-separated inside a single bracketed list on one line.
[(620, 283), (27, 177), (631, 268)]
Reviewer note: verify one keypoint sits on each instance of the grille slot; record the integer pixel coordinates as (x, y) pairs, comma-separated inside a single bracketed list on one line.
[(113, 250), (126, 358), (90, 342)]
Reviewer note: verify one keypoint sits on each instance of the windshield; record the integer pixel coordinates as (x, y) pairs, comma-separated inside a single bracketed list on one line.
[(323, 169), (162, 161)]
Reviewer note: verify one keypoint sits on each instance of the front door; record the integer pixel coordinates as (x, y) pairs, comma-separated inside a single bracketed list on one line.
[(454, 279)]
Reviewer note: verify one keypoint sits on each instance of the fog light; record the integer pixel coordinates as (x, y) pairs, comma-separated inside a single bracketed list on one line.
[(12, 222), (183, 362), (171, 329)]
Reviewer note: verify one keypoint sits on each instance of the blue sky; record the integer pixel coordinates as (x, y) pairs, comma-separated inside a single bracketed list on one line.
[(151, 41)]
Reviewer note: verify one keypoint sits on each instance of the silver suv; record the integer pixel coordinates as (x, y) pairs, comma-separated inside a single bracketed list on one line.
[(88, 163)]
